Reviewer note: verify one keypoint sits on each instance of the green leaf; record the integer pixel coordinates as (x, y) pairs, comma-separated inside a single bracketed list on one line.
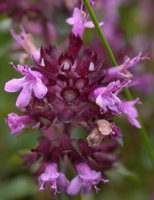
[(17, 188)]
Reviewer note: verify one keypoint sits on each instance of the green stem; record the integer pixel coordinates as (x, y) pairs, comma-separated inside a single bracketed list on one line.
[(127, 93)]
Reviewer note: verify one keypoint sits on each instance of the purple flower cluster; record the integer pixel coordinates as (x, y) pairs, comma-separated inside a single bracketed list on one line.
[(60, 92), (88, 162)]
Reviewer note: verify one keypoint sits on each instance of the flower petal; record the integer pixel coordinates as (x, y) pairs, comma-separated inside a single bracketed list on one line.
[(89, 24), (70, 20), (78, 27), (131, 112), (86, 189), (39, 89), (135, 60), (24, 96), (14, 85), (74, 186), (63, 182)]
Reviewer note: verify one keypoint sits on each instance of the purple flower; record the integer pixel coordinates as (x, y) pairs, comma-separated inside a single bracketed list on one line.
[(30, 83), (79, 22), (130, 111), (85, 179), (121, 71), (106, 98), (16, 123), (26, 42), (54, 178)]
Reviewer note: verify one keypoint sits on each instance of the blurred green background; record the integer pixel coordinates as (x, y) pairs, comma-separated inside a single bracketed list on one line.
[(132, 178)]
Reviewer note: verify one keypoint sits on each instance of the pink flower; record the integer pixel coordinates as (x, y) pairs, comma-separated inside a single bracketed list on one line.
[(16, 123), (121, 71), (30, 84), (107, 99), (85, 179), (79, 22), (54, 178), (26, 42)]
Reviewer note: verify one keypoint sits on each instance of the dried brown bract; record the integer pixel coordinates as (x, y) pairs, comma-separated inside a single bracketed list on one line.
[(103, 129)]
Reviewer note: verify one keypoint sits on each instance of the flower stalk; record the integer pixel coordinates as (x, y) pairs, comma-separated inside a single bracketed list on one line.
[(127, 93)]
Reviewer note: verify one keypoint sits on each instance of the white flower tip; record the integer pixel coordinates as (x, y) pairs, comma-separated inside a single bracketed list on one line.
[(138, 125), (70, 21)]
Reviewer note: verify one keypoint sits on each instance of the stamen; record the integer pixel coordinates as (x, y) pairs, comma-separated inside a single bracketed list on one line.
[(96, 188)]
